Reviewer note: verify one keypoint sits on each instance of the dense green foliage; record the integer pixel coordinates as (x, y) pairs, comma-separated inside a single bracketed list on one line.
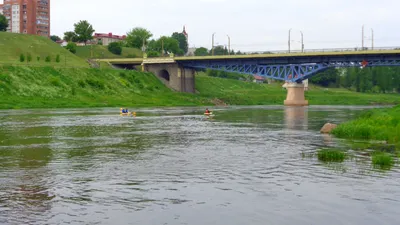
[(201, 51), (84, 31), (182, 40), (3, 23), (115, 48), (165, 45), (331, 155), (13, 45), (138, 37), (70, 36), (377, 124), (71, 46), (369, 79), (55, 38)]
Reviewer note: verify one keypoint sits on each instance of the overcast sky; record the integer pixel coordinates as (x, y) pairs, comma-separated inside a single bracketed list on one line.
[(253, 25)]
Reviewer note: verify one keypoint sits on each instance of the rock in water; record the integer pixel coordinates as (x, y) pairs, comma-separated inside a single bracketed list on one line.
[(327, 128)]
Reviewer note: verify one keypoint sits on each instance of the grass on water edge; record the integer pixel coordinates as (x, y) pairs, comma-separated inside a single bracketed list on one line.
[(376, 124), (382, 160), (12, 45), (331, 155)]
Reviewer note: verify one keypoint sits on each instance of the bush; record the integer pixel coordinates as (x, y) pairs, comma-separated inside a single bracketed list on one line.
[(22, 57), (115, 48), (82, 83), (71, 47), (47, 59), (58, 58), (29, 57), (152, 54), (96, 83), (38, 58)]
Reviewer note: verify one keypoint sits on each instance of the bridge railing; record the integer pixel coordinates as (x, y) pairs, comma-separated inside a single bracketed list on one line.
[(324, 50)]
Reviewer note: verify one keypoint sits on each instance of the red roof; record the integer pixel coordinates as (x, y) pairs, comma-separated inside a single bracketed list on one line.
[(109, 35), (258, 77)]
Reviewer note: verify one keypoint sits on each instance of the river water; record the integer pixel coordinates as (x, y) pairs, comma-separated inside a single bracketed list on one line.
[(246, 165)]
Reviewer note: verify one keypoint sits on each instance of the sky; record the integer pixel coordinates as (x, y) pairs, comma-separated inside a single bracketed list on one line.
[(253, 25)]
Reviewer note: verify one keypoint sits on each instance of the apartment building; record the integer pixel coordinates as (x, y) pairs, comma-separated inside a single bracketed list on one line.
[(28, 16), (1, 8)]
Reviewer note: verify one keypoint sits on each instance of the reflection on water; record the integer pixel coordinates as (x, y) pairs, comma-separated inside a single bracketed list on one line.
[(296, 118), (247, 165)]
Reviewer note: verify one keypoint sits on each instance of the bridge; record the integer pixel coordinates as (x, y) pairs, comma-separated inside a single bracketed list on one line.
[(178, 72)]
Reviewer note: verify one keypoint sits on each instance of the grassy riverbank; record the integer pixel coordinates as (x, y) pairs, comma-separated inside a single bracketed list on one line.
[(245, 93), (47, 87), (376, 124), (380, 128), (52, 87)]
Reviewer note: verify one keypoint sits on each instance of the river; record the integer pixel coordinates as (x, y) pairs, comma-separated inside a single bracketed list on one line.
[(245, 165)]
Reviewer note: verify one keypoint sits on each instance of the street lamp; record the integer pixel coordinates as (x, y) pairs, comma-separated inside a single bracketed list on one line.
[(229, 45), (372, 41), (302, 42), (289, 39), (212, 47)]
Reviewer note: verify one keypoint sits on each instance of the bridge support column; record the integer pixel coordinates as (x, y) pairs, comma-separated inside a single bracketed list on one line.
[(295, 95)]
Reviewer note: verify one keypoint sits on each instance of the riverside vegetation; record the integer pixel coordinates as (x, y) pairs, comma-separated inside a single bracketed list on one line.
[(381, 125)]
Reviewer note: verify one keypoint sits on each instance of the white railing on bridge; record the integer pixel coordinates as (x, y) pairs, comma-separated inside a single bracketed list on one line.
[(324, 50)]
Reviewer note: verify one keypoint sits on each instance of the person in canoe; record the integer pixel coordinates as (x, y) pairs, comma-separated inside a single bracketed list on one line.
[(207, 111)]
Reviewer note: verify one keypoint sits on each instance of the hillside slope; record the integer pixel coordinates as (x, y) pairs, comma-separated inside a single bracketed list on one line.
[(13, 45), (100, 51), (48, 87)]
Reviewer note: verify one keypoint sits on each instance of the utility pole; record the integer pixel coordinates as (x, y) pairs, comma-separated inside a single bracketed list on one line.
[(302, 42), (212, 47), (162, 47), (362, 38), (289, 39), (372, 40), (229, 45)]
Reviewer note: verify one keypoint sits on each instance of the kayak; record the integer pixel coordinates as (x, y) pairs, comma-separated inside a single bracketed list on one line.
[(209, 114)]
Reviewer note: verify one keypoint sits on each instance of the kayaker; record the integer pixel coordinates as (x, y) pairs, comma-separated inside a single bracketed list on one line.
[(207, 111)]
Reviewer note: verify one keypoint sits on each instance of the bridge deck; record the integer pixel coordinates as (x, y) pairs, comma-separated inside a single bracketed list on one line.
[(277, 56)]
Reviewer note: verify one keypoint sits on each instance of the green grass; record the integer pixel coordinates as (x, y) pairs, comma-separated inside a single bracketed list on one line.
[(100, 51), (236, 92), (48, 87), (376, 124), (13, 45), (331, 155), (382, 160)]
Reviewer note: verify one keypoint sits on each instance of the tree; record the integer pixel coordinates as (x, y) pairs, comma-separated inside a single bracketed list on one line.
[(220, 50), (165, 45), (58, 59), (3, 23), (70, 36), (71, 47), (201, 51), (55, 38), (84, 31), (138, 37), (115, 48), (28, 57), (22, 57), (181, 38), (47, 59)]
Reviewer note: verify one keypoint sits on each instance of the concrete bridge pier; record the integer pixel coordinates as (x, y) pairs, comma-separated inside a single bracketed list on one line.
[(173, 76), (295, 95)]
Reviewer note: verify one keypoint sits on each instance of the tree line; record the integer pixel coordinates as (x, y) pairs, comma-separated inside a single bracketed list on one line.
[(368, 79)]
